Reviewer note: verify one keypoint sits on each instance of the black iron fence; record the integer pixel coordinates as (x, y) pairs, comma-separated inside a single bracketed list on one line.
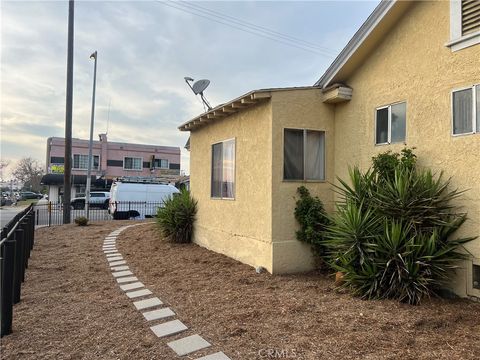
[(16, 243), (51, 213)]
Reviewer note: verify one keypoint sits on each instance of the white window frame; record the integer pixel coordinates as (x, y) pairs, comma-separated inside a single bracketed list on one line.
[(86, 168), (304, 157), (474, 109), (133, 157), (457, 40), (389, 131), (234, 170)]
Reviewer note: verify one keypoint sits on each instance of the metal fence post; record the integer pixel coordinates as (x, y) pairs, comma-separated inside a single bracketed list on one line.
[(49, 213), (7, 287), (18, 265)]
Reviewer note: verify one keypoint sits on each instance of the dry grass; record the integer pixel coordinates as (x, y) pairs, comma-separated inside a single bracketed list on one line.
[(72, 308)]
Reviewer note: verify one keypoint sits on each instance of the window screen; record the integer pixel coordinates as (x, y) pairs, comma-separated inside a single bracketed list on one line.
[(223, 170), (382, 126), (462, 111)]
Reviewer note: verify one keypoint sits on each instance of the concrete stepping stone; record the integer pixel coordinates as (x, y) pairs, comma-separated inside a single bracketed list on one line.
[(158, 314), (105, 247), (116, 253), (188, 344), (122, 273), (109, 242), (116, 263), (168, 328), (138, 293), (114, 258), (133, 286), (217, 356), (147, 303), (123, 280), (119, 268), (108, 252)]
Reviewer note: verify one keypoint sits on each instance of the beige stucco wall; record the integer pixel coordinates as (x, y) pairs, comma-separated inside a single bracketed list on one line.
[(413, 64), (239, 228), (298, 109)]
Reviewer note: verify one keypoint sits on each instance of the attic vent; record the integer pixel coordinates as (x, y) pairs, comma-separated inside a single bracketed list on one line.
[(470, 16), (476, 276)]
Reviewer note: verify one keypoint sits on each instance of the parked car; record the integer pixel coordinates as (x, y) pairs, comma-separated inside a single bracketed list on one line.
[(29, 195), (98, 199), (130, 200)]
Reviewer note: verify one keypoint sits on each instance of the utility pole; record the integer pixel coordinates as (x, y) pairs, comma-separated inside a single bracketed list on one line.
[(67, 185), (90, 144)]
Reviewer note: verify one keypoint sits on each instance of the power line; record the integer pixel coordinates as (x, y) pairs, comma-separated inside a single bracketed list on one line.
[(251, 31), (247, 24)]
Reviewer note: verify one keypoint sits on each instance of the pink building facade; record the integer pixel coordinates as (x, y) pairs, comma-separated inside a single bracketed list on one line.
[(110, 160)]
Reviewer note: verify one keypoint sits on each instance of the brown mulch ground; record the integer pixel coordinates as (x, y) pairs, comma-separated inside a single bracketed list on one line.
[(71, 308)]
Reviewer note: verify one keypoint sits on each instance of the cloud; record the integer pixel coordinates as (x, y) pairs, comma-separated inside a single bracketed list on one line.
[(144, 51)]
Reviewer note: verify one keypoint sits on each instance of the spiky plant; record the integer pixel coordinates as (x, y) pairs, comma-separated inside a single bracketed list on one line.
[(392, 233), (176, 218)]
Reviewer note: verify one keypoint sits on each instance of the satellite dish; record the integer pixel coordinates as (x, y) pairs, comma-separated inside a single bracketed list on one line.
[(200, 85)]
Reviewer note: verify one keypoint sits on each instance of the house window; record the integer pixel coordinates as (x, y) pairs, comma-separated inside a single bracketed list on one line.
[(464, 24), (223, 170), (303, 155), (80, 162), (466, 110), (390, 124), (132, 163), (160, 164)]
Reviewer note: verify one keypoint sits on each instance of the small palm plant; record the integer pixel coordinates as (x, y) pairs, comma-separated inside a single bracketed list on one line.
[(177, 217)]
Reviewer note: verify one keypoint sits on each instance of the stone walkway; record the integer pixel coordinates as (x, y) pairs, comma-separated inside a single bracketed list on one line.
[(150, 306)]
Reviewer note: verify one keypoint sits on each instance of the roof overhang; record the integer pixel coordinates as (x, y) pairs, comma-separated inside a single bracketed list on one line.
[(241, 103), (372, 31)]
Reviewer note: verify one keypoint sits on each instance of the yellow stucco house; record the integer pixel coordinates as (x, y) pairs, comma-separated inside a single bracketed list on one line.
[(409, 76)]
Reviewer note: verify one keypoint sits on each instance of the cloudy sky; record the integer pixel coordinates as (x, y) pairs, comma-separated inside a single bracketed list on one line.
[(145, 48)]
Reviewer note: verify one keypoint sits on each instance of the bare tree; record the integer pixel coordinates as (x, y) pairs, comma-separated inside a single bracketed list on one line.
[(30, 172), (3, 165)]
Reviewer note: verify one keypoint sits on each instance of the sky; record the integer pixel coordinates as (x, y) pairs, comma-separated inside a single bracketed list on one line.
[(145, 49)]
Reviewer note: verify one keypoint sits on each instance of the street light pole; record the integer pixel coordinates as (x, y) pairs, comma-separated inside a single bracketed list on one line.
[(90, 144)]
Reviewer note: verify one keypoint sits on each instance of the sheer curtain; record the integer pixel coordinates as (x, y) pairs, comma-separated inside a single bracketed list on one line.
[(315, 156), (293, 155), (228, 188), (462, 111), (399, 115)]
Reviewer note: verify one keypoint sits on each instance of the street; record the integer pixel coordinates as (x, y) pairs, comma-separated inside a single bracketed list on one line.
[(8, 212)]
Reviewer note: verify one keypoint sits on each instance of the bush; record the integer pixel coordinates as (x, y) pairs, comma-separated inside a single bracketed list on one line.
[(177, 217), (81, 221), (391, 233), (311, 215)]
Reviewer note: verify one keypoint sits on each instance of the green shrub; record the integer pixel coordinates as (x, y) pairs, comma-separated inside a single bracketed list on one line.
[(81, 221), (311, 216), (384, 164), (177, 217), (391, 234)]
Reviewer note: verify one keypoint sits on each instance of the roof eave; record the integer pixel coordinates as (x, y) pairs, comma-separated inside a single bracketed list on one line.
[(367, 27)]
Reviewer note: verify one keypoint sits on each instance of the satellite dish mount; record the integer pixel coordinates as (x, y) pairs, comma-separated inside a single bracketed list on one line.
[(198, 88)]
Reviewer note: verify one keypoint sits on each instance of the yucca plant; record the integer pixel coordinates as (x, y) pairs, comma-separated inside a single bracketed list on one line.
[(177, 217), (391, 236)]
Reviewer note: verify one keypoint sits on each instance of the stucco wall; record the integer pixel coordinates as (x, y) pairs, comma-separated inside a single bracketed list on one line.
[(298, 109), (239, 228), (413, 64)]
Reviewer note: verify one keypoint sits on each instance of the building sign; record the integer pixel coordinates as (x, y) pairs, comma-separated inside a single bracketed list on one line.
[(56, 169)]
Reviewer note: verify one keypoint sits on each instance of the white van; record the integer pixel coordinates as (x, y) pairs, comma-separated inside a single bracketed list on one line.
[(138, 200)]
